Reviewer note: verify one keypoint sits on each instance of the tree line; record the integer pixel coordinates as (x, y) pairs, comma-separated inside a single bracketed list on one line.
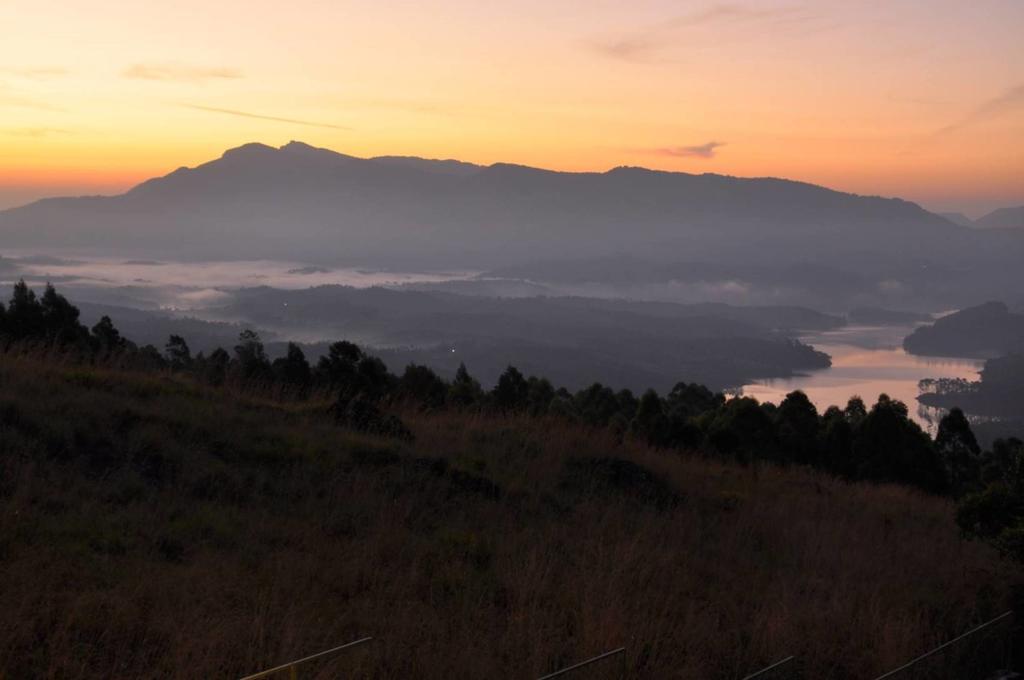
[(878, 443)]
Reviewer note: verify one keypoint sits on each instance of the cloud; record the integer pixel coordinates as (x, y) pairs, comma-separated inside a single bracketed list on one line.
[(706, 150), (179, 73), (1009, 101), (646, 43), (14, 99), (259, 116)]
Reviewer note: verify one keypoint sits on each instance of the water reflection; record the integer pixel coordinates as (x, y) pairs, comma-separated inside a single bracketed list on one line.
[(868, 361)]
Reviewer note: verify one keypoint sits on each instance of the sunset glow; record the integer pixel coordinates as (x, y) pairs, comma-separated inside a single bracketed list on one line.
[(918, 99)]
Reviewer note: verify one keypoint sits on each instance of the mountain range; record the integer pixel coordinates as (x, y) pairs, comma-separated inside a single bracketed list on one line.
[(313, 205)]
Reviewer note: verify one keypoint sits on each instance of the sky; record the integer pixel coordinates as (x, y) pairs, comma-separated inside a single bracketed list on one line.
[(922, 99)]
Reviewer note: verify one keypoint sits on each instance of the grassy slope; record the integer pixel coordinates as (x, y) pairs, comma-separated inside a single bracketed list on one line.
[(152, 528)]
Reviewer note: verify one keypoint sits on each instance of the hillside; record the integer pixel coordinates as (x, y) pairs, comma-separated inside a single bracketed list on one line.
[(573, 341), (1003, 218), (983, 331), (155, 527)]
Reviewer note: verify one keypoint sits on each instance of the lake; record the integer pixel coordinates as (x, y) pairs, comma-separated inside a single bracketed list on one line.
[(868, 361)]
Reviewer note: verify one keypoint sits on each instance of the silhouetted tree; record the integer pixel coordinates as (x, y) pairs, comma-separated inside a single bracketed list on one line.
[(1004, 463), (837, 443), (421, 385), (512, 390), (60, 319), (888, 446), (856, 411), (996, 513), (214, 368), (292, 368), (597, 405), (650, 422), (107, 337), (959, 452), (464, 390), (796, 422), (250, 355), (178, 354), (24, 313), (539, 394), (338, 366), (743, 430)]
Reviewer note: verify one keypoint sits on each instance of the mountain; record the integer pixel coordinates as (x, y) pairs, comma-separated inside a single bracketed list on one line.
[(1003, 218), (304, 203), (958, 218)]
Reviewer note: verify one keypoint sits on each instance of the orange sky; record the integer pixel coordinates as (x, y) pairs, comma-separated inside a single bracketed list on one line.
[(917, 98)]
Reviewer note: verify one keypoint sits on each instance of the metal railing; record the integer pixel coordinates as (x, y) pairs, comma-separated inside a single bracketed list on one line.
[(293, 666), (975, 654), (601, 657), (775, 670)]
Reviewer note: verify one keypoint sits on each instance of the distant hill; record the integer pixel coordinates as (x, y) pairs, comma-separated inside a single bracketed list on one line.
[(984, 331), (575, 341), (958, 218), (304, 203), (1003, 218), (873, 316)]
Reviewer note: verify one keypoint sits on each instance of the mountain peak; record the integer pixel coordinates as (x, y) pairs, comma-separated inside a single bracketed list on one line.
[(250, 150)]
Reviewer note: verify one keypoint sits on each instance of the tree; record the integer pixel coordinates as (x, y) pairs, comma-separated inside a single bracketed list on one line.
[(214, 368), (292, 368), (650, 422), (512, 390), (107, 337), (889, 447), (178, 353), (465, 390), (421, 385), (837, 442), (995, 514), (797, 425), (597, 405), (24, 313), (959, 452), (539, 394), (251, 355), (742, 429), (59, 318)]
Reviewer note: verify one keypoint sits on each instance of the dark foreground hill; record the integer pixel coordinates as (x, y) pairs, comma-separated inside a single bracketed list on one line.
[(153, 527)]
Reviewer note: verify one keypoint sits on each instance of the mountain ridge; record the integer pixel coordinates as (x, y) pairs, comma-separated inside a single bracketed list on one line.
[(313, 204)]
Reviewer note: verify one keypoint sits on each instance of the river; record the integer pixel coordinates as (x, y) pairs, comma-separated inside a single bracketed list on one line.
[(867, 361)]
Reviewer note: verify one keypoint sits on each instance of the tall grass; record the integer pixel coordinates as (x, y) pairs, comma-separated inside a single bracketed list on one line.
[(151, 527)]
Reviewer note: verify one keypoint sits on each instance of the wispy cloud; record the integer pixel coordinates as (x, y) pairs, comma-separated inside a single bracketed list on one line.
[(646, 44), (260, 116), (1009, 101), (180, 73), (9, 98), (706, 150)]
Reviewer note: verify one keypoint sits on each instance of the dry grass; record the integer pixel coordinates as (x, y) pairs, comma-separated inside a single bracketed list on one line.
[(267, 534)]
